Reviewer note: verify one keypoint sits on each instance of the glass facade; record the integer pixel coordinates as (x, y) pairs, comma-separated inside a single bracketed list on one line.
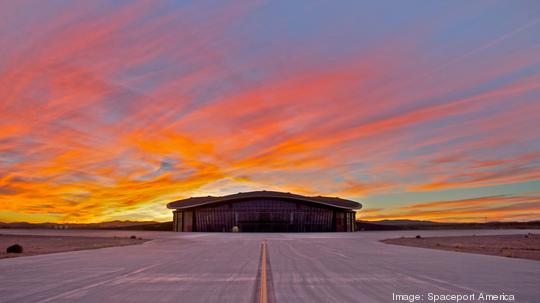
[(264, 215)]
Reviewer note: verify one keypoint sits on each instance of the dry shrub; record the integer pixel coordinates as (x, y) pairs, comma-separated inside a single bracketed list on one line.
[(14, 249)]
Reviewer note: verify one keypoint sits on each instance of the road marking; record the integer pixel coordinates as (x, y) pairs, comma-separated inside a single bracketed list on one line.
[(263, 293)]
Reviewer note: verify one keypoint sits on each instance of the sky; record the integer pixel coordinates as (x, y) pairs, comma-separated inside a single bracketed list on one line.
[(426, 110)]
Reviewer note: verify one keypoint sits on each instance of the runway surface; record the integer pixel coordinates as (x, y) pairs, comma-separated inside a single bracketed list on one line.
[(211, 267)]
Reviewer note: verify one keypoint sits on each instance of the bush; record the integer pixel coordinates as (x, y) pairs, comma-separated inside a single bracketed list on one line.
[(418, 237), (14, 249), (133, 237)]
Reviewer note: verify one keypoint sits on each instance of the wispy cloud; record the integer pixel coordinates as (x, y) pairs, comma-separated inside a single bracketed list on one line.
[(113, 109), (493, 208)]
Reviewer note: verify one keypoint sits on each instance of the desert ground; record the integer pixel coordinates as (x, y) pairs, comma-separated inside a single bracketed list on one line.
[(525, 246), (226, 267), (37, 245)]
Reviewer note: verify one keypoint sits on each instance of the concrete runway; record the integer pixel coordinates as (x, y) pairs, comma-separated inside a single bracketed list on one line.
[(210, 267)]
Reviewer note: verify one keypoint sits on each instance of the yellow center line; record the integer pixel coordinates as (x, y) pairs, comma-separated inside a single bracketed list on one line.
[(263, 297)]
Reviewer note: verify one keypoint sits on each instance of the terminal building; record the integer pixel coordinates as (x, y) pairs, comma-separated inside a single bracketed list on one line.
[(264, 211)]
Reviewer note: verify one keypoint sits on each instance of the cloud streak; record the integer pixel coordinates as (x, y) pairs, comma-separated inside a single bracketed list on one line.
[(492, 208), (110, 110)]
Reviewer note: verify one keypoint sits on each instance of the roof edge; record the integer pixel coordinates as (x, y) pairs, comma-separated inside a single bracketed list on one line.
[(265, 194)]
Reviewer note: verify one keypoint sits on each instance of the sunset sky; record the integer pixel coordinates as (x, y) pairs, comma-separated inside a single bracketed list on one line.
[(423, 110)]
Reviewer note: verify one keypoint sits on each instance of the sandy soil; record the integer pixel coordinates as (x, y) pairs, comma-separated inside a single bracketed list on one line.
[(36, 245), (512, 246)]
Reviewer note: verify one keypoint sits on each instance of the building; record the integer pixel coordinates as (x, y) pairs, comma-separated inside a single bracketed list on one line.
[(264, 211)]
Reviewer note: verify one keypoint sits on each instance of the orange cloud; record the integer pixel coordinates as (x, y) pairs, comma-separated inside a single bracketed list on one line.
[(111, 110), (494, 208)]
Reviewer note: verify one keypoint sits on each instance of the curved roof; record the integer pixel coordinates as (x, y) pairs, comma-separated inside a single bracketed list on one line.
[(328, 201)]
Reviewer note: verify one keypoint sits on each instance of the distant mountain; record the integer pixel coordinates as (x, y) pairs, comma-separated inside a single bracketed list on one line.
[(117, 223), (158, 226), (426, 225), (403, 222), (102, 225), (361, 225), (26, 225)]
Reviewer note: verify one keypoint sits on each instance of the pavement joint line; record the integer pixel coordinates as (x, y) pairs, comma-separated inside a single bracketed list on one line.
[(263, 294), (65, 294)]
